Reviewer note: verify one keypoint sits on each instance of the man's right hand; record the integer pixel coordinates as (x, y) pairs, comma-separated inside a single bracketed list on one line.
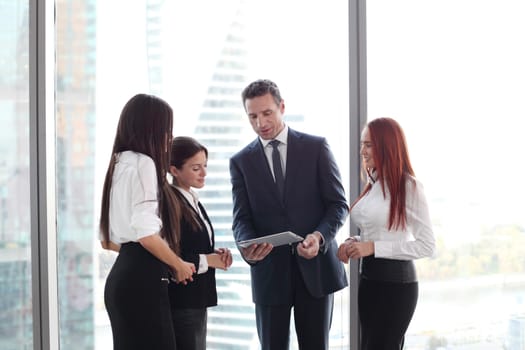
[(256, 252)]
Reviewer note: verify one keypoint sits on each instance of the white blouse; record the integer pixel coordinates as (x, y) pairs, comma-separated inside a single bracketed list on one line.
[(370, 214), (133, 205)]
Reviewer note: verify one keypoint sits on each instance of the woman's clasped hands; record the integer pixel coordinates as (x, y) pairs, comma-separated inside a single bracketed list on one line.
[(221, 259), (352, 248)]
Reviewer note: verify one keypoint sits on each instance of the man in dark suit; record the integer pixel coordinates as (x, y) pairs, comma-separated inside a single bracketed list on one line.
[(288, 181)]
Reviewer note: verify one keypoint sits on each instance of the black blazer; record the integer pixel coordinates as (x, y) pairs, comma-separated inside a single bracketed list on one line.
[(202, 291), (314, 199)]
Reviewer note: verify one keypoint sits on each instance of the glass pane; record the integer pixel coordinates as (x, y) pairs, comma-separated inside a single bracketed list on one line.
[(452, 73), (75, 156), (16, 317), (199, 61)]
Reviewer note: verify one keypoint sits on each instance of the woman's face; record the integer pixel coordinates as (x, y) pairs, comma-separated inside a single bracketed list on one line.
[(367, 150), (192, 173)]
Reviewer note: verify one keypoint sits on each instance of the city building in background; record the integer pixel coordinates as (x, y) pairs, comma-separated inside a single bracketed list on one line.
[(16, 317), (456, 90), (75, 118), (221, 126)]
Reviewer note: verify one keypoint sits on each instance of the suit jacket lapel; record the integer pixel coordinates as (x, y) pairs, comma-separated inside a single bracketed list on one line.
[(205, 214), (201, 222), (293, 160)]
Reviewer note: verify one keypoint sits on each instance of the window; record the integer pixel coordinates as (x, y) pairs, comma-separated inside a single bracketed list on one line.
[(451, 72), (16, 317), (198, 56)]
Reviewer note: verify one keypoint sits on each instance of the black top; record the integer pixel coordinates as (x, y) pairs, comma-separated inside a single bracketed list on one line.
[(388, 270), (202, 291)]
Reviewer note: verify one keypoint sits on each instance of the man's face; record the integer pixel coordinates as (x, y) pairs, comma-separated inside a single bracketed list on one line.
[(266, 117)]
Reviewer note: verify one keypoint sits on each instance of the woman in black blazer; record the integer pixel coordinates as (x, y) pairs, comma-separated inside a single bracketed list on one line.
[(189, 301)]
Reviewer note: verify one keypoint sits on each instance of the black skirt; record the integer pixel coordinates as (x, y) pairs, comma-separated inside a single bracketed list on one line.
[(387, 299), (137, 302)]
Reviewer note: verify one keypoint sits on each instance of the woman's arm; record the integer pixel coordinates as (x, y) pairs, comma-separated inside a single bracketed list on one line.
[(159, 248), (110, 246)]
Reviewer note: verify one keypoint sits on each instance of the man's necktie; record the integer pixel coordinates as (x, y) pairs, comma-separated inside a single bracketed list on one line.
[(277, 168)]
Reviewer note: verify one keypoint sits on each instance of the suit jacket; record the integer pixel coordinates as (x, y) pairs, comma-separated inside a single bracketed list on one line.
[(202, 291), (314, 199)]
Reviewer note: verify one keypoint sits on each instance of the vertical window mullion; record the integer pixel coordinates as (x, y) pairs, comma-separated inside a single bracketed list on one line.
[(358, 117), (42, 175)]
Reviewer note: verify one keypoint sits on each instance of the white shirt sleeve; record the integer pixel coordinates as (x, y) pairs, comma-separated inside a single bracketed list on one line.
[(203, 264), (145, 220), (422, 241), (418, 220)]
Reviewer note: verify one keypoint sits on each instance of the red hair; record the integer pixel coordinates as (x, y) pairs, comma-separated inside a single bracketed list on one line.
[(392, 166)]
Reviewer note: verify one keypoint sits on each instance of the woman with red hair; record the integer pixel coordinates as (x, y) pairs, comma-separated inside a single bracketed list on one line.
[(394, 223)]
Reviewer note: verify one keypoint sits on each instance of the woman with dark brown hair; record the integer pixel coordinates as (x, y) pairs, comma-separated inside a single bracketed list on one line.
[(395, 228), (140, 220), (189, 303)]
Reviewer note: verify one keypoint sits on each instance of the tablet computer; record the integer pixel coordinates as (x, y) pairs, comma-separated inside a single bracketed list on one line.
[(276, 239)]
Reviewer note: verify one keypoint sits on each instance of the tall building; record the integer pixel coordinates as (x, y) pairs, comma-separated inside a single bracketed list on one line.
[(75, 142), (75, 83), (15, 255), (222, 127), (154, 44)]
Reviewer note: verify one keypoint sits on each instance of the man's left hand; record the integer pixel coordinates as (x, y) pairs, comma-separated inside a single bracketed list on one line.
[(309, 247)]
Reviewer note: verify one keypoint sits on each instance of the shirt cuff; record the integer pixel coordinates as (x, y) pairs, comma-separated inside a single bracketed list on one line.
[(322, 243), (203, 264), (383, 249)]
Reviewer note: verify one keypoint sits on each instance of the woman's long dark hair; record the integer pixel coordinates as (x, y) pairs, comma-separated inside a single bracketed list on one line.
[(182, 149), (393, 167), (145, 126)]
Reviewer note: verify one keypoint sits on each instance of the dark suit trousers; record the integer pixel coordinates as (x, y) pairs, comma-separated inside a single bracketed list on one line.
[(190, 328), (313, 318)]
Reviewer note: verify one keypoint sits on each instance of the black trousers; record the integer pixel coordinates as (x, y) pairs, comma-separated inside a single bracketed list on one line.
[(190, 328), (313, 318), (385, 311), (136, 298)]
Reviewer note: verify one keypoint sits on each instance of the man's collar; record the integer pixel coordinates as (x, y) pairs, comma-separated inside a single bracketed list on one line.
[(282, 137)]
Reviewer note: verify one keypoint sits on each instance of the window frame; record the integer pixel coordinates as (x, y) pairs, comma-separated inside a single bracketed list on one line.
[(358, 116), (44, 281), (42, 136)]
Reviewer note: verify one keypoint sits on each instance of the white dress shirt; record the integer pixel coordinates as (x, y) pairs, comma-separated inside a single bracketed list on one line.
[(133, 204), (282, 148), (371, 213)]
